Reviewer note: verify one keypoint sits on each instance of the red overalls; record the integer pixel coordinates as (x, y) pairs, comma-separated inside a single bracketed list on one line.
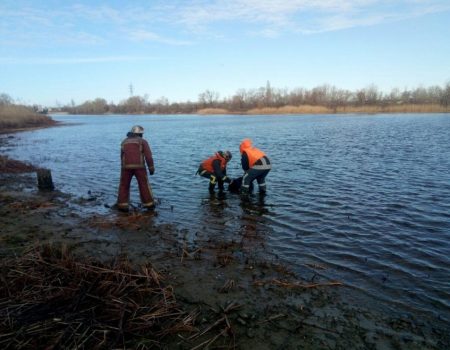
[(134, 150)]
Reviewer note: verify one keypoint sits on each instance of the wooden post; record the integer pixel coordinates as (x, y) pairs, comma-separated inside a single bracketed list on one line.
[(45, 182)]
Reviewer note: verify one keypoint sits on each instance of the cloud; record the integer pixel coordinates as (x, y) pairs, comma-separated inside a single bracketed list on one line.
[(85, 23), (272, 17), (73, 60), (144, 35)]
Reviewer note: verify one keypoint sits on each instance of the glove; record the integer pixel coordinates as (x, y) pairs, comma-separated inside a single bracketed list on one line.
[(226, 179), (152, 170)]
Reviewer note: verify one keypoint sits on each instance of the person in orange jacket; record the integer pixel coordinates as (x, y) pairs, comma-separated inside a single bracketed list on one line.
[(135, 154), (256, 166), (215, 169)]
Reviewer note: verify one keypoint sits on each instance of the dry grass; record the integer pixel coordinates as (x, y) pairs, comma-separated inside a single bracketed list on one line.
[(401, 108), (49, 299), (213, 111), (17, 117), (309, 109), (306, 109)]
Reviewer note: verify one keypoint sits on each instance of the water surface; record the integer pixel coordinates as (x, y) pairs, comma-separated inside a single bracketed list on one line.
[(366, 196)]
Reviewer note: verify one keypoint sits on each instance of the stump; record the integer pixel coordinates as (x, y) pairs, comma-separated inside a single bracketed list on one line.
[(45, 182)]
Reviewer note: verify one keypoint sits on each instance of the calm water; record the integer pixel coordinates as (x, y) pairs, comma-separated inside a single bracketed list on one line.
[(366, 196)]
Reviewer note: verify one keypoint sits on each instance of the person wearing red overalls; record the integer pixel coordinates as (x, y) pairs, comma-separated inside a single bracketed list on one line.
[(215, 169), (135, 153)]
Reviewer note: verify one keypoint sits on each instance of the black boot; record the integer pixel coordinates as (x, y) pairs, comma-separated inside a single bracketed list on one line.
[(211, 188), (244, 193), (262, 190)]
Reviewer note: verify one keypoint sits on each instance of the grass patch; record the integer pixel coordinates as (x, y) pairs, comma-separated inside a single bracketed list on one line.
[(19, 117), (400, 108), (213, 111), (369, 109), (305, 109)]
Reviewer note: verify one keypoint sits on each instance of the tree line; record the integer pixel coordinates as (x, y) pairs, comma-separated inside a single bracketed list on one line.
[(268, 96)]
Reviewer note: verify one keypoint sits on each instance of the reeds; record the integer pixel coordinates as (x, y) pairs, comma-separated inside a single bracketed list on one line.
[(321, 109), (17, 117), (51, 300), (213, 111), (394, 108), (304, 109)]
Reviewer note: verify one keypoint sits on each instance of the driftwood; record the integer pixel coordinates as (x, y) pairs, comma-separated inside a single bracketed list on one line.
[(45, 182)]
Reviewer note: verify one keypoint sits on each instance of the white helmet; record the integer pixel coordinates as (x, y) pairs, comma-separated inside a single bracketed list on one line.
[(137, 129)]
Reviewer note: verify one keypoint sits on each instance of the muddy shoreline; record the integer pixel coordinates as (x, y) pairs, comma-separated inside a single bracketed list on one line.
[(272, 307)]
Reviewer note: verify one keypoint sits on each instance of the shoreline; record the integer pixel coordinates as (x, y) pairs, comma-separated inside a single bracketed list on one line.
[(298, 110), (276, 307)]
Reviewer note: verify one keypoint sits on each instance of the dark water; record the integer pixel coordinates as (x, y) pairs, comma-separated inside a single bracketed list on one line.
[(366, 196)]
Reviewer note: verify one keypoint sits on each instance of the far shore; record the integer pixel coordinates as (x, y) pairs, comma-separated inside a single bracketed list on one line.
[(310, 109), (23, 120), (292, 110)]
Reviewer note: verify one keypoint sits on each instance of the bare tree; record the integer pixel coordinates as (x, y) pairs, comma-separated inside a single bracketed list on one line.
[(5, 100), (208, 98)]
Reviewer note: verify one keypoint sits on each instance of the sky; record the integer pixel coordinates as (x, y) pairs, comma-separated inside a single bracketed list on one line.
[(55, 52)]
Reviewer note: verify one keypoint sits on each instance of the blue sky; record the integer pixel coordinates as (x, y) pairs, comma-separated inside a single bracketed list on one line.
[(55, 51)]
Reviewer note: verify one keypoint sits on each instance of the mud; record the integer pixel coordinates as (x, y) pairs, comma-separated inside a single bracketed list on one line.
[(241, 299)]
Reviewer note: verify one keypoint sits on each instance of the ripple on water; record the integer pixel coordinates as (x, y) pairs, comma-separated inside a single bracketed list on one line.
[(368, 197)]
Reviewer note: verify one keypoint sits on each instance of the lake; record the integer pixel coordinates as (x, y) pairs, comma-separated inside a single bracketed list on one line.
[(366, 196)]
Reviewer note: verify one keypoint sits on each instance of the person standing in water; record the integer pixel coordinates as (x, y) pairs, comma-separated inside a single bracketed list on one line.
[(135, 154)]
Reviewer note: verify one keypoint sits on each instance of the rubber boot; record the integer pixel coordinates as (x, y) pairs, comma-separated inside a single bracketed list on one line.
[(149, 207), (211, 188), (244, 193)]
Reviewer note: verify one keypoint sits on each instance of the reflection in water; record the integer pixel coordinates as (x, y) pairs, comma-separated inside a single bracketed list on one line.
[(366, 196)]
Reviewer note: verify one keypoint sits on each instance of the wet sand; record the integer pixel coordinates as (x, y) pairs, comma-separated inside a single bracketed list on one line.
[(242, 299)]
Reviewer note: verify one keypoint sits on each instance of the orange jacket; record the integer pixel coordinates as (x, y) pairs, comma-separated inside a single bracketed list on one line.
[(253, 153), (208, 163)]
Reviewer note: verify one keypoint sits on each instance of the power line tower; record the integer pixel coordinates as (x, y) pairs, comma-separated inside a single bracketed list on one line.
[(131, 90)]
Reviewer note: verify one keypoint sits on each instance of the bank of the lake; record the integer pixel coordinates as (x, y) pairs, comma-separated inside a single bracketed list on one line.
[(274, 306), (229, 296), (318, 109), (22, 118)]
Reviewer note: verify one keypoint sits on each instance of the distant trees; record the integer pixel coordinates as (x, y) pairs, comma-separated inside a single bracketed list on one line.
[(97, 106), (5, 99), (208, 99), (445, 96), (267, 96)]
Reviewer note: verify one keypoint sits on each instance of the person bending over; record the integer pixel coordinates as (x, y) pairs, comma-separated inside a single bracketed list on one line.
[(256, 165), (215, 169)]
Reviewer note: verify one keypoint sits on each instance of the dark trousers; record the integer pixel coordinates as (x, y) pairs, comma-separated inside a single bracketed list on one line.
[(145, 190), (212, 179), (254, 174)]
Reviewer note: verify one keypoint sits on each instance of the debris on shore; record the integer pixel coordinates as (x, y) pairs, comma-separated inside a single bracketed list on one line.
[(52, 299)]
